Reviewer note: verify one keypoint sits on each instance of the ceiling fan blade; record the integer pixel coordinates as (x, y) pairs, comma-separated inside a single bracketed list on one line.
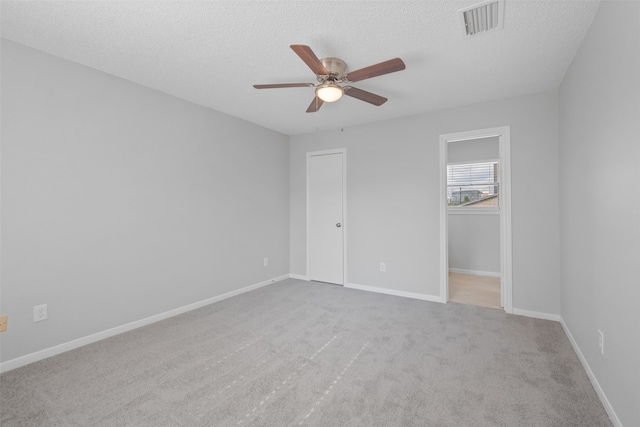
[(365, 96), (280, 85), (306, 54), (386, 67), (315, 105)]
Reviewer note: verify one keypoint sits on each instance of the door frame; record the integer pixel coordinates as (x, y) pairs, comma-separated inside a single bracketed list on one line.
[(310, 154), (504, 137)]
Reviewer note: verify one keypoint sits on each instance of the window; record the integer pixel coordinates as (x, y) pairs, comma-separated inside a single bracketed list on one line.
[(473, 185)]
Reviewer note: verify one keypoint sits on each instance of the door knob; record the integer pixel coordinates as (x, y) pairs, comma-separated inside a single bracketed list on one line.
[(338, 225)]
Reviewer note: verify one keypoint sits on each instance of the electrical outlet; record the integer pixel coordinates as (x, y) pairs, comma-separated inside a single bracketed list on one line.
[(601, 341), (383, 267), (3, 323), (266, 262), (40, 313)]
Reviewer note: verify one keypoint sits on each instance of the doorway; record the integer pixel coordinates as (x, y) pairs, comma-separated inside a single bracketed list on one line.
[(473, 205), (326, 201)]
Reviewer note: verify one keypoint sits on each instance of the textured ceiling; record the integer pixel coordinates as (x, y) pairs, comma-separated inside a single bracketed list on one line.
[(212, 52)]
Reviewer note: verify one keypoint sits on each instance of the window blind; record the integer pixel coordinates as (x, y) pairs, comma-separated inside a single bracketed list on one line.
[(473, 184)]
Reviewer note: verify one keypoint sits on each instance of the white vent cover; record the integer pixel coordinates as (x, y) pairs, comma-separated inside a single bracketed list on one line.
[(481, 17)]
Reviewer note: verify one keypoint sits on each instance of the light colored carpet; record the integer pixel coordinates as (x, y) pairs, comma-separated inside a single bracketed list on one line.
[(305, 353), (474, 290)]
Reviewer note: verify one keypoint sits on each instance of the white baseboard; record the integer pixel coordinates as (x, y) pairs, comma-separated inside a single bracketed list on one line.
[(61, 348), (537, 314), (299, 277), (594, 381), (475, 272), (394, 292)]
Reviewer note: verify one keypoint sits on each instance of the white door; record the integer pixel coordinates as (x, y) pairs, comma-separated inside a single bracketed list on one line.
[(325, 213)]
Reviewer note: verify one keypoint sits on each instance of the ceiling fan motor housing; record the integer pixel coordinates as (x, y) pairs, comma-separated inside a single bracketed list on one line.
[(335, 66)]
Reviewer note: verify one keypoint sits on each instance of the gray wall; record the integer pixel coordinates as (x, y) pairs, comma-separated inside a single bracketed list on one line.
[(120, 202), (474, 242), (393, 189), (474, 239), (600, 161)]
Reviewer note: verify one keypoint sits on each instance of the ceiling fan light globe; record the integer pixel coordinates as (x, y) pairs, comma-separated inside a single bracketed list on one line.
[(329, 93)]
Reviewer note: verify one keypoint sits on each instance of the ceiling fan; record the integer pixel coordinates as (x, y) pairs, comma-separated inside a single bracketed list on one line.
[(334, 81)]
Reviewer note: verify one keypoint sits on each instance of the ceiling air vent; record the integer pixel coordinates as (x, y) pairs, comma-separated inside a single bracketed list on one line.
[(482, 17)]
